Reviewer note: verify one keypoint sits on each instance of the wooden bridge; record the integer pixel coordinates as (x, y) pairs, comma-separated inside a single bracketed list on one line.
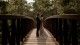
[(65, 28)]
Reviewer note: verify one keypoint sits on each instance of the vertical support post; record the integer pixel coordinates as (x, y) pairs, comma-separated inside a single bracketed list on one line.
[(74, 33), (66, 32), (18, 32), (0, 31), (13, 32), (59, 31), (23, 28), (53, 26), (5, 32)]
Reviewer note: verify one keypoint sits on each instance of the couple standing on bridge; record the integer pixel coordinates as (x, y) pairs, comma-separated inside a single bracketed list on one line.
[(39, 20), (42, 34)]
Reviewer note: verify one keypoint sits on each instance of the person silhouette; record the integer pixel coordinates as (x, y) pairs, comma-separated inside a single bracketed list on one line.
[(38, 25)]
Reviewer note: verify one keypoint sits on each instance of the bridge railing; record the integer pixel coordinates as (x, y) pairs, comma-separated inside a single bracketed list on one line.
[(14, 28), (65, 28)]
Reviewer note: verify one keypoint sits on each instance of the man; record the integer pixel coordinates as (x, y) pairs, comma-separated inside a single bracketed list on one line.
[(38, 25)]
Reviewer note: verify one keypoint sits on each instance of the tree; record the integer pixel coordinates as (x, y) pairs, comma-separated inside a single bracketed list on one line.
[(70, 5), (3, 5), (44, 7), (49, 7), (17, 7)]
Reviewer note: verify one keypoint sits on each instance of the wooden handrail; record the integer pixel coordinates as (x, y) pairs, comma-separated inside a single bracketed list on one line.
[(9, 16), (66, 16)]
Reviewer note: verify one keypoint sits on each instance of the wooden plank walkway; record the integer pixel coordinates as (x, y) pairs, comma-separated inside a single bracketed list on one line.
[(45, 38)]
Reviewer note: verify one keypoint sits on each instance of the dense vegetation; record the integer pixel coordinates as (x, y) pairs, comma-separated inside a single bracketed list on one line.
[(44, 7)]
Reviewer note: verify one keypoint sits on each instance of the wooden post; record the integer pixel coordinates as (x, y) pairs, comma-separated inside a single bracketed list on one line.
[(74, 33), (5, 32), (18, 31), (66, 32), (13, 32)]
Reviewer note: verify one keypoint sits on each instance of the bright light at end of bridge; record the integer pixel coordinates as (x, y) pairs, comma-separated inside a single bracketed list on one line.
[(29, 1)]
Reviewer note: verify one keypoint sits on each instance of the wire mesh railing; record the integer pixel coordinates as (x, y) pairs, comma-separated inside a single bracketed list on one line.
[(65, 28), (14, 28)]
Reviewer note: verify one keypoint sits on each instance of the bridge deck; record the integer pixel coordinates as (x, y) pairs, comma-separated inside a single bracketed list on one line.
[(45, 38)]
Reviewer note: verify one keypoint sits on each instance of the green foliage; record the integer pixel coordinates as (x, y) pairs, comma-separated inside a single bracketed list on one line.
[(3, 5), (65, 2), (43, 7), (17, 7)]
